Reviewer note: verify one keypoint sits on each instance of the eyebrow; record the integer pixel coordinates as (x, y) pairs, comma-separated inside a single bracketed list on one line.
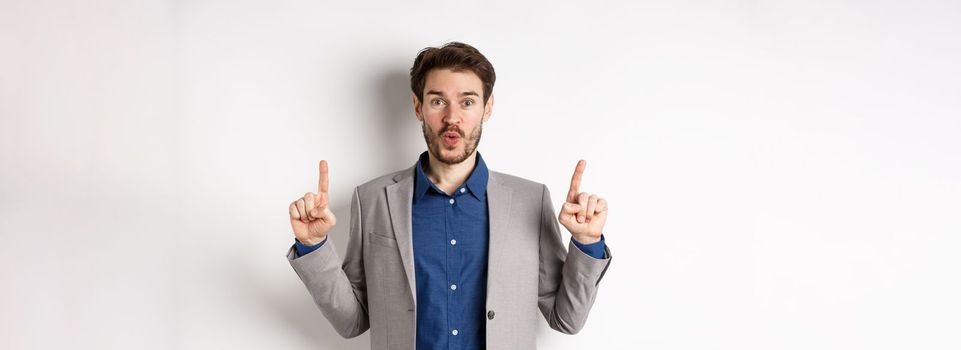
[(465, 93)]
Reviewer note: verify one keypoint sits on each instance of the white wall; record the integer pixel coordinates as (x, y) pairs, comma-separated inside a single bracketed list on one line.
[(782, 175)]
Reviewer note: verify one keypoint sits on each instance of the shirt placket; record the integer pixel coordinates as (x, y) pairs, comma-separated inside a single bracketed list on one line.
[(455, 259)]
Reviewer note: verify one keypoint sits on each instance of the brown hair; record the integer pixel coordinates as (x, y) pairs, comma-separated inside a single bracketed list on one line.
[(455, 56)]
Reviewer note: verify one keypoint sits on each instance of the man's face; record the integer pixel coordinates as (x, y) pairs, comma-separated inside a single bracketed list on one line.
[(452, 113)]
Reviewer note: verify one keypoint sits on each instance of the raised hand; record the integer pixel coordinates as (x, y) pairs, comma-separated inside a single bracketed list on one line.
[(310, 217), (583, 214)]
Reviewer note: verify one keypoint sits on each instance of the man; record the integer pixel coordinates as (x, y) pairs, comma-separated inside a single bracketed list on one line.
[(448, 254)]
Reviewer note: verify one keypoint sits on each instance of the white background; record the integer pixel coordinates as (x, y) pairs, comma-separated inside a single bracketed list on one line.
[(782, 175)]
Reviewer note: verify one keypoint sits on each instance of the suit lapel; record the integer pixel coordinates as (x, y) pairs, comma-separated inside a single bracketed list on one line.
[(400, 196), (499, 209)]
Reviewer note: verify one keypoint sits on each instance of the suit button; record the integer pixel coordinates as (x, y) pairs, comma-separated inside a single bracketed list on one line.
[(490, 315)]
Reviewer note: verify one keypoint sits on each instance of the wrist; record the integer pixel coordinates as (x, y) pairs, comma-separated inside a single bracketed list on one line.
[(312, 241), (587, 239)]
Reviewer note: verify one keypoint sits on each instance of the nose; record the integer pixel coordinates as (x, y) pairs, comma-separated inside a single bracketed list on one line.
[(452, 116)]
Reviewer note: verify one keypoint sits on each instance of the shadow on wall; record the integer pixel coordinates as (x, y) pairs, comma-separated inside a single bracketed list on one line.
[(392, 126), (293, 308), (395, 115), (397, 127)]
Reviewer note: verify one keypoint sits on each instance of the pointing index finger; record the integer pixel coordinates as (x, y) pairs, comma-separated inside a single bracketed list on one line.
[(322, 186), (576, 181)]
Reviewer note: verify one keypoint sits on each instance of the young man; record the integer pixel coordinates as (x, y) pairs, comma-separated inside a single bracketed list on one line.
[(448, 254)]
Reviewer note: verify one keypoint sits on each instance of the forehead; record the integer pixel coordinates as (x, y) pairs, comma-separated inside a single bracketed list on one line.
[(450, 81)]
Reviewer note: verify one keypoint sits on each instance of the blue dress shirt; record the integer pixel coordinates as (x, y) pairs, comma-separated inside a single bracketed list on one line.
[(450, 240), (450, 234)]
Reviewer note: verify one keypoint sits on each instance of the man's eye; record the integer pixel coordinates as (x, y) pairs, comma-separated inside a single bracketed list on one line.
[(468, 102), (437, 102)]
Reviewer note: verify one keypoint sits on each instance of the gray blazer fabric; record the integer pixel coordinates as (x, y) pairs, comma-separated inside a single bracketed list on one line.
[(529, 269)]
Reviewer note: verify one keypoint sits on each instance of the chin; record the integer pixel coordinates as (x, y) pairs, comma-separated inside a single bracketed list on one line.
[(448, 156), (448, 150)]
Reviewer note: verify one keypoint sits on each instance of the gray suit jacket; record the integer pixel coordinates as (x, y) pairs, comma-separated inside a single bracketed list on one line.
[(529, 268)]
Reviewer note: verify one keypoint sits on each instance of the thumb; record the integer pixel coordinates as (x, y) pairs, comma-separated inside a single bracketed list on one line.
[(570, 208)]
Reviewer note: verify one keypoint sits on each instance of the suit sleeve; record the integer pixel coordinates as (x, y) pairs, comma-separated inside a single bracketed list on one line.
[(303, 249), (337, 286), (569, 278)]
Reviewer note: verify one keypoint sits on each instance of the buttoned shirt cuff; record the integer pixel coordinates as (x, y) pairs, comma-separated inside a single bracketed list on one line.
[(595, 250), (303, 249)]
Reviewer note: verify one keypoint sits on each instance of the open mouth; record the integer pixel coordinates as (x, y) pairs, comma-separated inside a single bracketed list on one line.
[(451, 138)]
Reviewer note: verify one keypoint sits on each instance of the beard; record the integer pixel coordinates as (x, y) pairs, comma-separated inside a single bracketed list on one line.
[(434, 142)]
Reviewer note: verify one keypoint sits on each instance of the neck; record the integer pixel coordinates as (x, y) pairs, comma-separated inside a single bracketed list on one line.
[(448, 177)]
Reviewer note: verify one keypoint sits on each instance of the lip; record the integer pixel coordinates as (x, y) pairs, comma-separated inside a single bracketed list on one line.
[(451, 138)]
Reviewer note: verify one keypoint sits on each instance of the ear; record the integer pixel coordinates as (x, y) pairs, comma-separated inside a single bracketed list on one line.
[(416, 102), (488, 107)]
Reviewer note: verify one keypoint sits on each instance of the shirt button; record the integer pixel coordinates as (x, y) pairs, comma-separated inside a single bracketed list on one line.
[(453, 287), (490, 315), (453, 242), (462, 190), (451, 201), (454, 332)]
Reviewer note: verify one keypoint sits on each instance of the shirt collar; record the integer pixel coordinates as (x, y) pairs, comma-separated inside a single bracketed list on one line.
[(476, 183)]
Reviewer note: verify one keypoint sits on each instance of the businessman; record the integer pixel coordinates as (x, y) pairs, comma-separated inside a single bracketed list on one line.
[(448, 254)]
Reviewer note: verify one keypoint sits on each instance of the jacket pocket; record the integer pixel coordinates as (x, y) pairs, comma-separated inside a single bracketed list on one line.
[(382, 240)]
